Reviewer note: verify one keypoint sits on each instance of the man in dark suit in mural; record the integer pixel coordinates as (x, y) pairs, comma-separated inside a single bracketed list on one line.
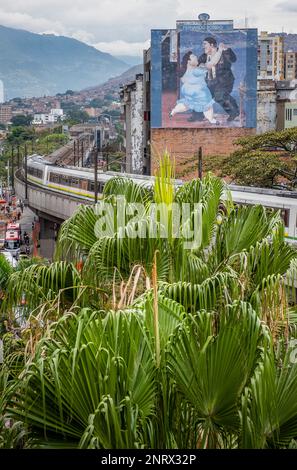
[(219, 79)]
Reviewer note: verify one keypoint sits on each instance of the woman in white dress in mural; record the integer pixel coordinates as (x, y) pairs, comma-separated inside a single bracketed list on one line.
[(194, 93)]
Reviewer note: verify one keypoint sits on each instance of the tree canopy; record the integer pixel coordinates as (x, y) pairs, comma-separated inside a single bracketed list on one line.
[(21, 120), (265, 160), (20, 134), (149, 342)]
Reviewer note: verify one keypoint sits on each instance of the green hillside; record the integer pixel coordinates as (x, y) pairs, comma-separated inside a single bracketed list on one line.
[(35, 65)]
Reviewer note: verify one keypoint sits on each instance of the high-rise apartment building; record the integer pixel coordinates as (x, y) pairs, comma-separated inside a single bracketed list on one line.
[(5, 114), (290, 65), (270, 56)]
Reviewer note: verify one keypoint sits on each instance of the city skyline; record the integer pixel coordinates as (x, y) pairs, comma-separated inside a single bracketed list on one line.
[(125, 30)]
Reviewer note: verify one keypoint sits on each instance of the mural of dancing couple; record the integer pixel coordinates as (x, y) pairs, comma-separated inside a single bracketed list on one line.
[(208, 79)]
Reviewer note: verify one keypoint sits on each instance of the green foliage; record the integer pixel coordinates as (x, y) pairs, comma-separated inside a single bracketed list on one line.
[(21, 120), (61, 138), (96, 103), (13, 434), (263, 159), (19, 135), (86, 371), (77, 116), (42, 283), (43, 143), (211, 373), (93, 382), (269, 412), (93, 355), (5, 272), (255, 168), (285, 140)]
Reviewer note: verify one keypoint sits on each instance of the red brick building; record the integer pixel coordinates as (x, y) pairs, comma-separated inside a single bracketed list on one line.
[(183, 145)]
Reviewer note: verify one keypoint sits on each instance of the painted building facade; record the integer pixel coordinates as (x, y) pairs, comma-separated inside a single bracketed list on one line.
[(132, 106)]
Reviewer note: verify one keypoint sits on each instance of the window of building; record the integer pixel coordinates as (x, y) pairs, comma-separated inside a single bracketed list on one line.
[(289, 114)]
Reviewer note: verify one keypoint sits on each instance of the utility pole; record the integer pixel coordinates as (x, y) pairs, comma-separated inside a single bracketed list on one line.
[(200, 163), (18, 156), (74, 151), (26, 174), (82, 153), (96, 173), (8, 178), (97, 149)]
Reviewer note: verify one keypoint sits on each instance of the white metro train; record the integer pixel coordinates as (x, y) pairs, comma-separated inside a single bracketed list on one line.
[(79, 182)]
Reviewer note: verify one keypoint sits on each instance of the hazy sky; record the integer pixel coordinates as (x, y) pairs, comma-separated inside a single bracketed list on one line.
[(123, 27)]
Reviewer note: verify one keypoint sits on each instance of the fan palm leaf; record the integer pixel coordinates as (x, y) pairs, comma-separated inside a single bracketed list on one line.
[(211, 371), (94, 373)]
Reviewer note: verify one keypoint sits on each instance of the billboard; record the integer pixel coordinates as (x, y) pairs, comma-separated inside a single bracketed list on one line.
[(204, 76)]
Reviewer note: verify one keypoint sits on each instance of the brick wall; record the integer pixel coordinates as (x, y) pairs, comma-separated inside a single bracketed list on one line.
[(184, 143)]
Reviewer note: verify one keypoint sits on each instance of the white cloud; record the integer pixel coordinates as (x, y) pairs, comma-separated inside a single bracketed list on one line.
[(83, 36), (120, 47), (122, 26), (25, 21), (288, 6)]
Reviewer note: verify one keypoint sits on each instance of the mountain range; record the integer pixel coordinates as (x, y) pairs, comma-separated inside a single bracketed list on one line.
[(114, 83), (44, 64)]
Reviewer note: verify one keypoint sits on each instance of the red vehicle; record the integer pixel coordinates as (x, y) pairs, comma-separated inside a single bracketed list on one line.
[(16, 227)]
